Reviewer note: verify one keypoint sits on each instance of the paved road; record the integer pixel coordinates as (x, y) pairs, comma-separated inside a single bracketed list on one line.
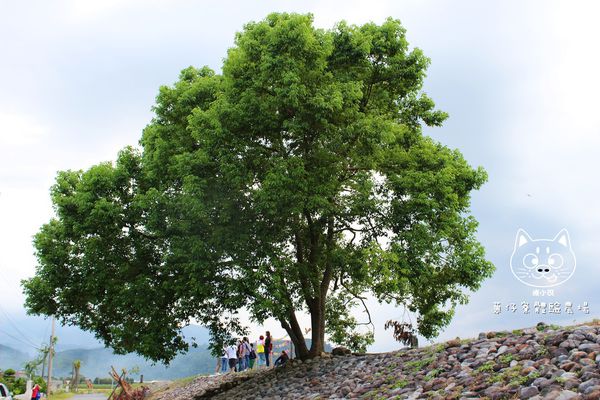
[(90, 396)]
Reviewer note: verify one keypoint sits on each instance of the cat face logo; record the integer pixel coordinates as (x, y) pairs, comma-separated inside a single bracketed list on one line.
[(543, 262)]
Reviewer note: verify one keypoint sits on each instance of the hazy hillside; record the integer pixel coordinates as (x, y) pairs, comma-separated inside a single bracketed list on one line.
[(97, 363), (69, 337), (74, 344), (11, 358)]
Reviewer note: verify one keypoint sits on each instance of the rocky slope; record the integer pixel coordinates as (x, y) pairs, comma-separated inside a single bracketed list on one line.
[(536, 363)]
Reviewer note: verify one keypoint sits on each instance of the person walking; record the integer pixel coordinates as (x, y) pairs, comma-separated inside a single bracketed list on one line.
[(231, 352), (268, 348), (260, 350)]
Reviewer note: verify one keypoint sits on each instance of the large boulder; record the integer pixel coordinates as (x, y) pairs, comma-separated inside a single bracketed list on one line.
[(341, 351)]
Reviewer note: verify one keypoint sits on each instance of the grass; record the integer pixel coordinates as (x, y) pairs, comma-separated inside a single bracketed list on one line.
[(432, 374), (417, 365), (439, 348), (506, 358), (61, 395), (487, 367), (400, 384), (542, 351), (560, 379), (513, 376)]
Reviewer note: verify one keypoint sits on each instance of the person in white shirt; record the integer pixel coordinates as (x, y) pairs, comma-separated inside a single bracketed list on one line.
[(231, 352)]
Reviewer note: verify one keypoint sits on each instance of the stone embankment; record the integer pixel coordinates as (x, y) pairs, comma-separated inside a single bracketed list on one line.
[(537, 363)]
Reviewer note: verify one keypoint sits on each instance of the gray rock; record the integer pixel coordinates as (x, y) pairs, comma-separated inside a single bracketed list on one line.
[(589, 347), (542, 382), (588, 384), (568, 375), (341, 351), (567, 395), (570, 344), (528, 392)]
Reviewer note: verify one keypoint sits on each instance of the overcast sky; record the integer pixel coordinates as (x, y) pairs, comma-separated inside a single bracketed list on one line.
[(519, 80)]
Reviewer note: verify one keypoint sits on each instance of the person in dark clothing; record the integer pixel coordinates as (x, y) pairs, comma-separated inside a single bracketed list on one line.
[(268, 348), (282, 359)]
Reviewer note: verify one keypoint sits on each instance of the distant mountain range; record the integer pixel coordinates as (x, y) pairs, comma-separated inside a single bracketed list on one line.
[(23, 331), (96, 362), (75, 344), (12, 358)]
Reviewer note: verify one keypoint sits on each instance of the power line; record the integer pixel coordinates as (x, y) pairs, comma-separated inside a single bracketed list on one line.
[(14, 325), (46, 331), (9, 319), (18, 339)]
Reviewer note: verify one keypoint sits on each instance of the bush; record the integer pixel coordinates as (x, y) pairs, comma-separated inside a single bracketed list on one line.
[(18, 386), (102, 381)]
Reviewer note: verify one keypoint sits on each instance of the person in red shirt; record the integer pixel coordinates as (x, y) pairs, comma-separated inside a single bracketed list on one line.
[(35, 393)]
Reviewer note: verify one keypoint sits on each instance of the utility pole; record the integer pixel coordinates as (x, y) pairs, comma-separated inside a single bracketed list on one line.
[(50, 354)]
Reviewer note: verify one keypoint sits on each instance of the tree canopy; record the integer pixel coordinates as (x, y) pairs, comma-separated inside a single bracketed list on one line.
[(297, 180)]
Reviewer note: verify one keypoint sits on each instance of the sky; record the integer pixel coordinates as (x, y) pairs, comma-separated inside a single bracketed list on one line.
[(518, 79)]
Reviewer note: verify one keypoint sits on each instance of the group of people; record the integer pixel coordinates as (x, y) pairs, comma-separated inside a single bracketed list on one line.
[(245, 355)]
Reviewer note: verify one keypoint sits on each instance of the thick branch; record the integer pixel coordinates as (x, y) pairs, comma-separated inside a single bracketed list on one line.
[(362, 300)]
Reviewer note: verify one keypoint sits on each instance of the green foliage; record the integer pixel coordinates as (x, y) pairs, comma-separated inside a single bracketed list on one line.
[(439, 348), (506, 358), (542, 351), (399, 384), (342, 327), (9, 373), (19, 386), (41, 382), (418, 365), (513, 376), (102, 381), (432, 374), (298, 180), (14, 385), (487, 367)]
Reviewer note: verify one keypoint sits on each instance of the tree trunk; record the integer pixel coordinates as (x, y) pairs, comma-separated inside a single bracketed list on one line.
[(317, 319), (293, 329), (300, 347)]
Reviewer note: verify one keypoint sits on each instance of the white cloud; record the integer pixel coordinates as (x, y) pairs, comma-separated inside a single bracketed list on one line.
[(19, 130), (86, 11)]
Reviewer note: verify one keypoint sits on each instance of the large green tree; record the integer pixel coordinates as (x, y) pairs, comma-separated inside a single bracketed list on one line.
[(298, 180)]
